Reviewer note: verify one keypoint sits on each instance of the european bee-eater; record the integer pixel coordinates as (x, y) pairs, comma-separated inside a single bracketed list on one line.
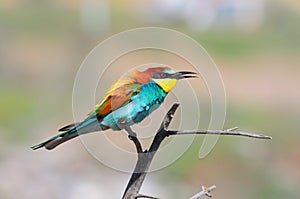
[(128, 101)]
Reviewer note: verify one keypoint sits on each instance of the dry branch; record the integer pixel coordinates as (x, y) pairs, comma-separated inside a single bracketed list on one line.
[(205, 192), (230, 131), (145, 157)]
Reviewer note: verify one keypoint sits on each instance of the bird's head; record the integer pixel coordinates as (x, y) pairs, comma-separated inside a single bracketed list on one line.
[(167, 78)]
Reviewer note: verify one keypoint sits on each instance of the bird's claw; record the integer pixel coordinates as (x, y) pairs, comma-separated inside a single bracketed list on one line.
[(132, 136)]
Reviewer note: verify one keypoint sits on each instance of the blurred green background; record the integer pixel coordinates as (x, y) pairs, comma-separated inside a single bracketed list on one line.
[(255, 45)]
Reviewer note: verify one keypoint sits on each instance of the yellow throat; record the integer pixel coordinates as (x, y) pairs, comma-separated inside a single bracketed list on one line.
[(166, 84)]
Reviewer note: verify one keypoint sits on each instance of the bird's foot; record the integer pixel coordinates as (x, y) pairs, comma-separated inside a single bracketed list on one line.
[(132, 136)]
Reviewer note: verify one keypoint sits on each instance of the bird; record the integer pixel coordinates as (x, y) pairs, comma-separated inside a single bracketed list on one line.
[(128, 101)]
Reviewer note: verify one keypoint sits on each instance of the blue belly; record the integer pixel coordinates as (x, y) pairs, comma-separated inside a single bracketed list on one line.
[(150, 97)]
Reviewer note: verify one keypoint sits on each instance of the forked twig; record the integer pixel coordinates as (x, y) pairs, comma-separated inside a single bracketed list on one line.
[(145, 157)]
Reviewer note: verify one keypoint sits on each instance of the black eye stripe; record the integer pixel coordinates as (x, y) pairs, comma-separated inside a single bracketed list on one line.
[(156, 75), (159, 75)]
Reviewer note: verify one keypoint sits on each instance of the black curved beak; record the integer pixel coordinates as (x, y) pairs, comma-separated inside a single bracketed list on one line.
[(185, 74)]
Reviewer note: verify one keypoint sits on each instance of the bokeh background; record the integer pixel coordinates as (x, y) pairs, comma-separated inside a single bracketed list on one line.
[(255, 44)]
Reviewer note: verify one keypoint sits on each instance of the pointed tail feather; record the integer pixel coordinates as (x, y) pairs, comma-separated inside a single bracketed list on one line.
[(51, 145), (87, 126), (57, 140), (68, 127)]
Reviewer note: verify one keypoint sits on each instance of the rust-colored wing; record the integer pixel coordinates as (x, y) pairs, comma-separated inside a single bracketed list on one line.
[(118, 95)]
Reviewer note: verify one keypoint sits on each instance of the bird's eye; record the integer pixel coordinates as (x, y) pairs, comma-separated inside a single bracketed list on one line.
[(163, 75)]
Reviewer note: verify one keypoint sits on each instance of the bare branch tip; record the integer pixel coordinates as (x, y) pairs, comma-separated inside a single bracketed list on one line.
[(204, 192), (174, 107), (233, 129), (268, 137), (176, 104)]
